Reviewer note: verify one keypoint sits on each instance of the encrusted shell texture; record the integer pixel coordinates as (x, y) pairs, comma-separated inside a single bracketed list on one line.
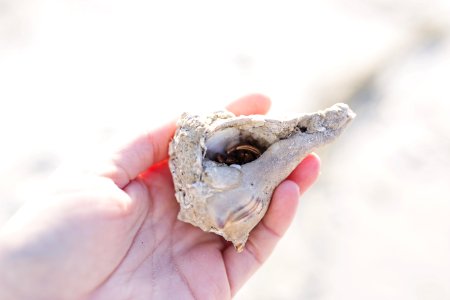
[(225, 168)]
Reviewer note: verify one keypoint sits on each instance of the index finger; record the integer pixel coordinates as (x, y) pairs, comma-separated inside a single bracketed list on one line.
[(152, 147)]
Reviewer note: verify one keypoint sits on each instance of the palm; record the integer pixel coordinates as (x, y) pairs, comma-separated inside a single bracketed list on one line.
[(167, 256)]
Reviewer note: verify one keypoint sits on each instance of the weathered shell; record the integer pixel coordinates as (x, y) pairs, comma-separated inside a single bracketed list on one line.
[(230, 200)]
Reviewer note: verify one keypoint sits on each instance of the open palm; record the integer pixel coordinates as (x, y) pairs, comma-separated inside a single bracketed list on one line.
[(114, 234)]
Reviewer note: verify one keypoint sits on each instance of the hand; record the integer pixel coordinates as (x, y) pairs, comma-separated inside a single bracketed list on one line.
[(113, 233)]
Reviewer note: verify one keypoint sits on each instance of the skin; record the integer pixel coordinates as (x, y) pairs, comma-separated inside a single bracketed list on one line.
[(112, 232)]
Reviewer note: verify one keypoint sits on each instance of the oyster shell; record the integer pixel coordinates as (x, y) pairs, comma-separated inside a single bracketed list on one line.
[(225, 168)]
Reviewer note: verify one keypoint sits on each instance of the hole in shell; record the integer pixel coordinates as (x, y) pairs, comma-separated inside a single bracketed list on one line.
[(240, 153), (231, 146)]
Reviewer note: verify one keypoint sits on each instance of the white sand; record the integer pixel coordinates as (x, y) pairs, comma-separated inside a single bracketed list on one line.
[(73, 74)]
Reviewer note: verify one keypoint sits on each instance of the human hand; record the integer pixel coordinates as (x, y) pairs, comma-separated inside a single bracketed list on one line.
[(113, 233)]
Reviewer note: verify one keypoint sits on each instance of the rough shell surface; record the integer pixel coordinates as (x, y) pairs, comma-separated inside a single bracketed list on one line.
[(230, 199)]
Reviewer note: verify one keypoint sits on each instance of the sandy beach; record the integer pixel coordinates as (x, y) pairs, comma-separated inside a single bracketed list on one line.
[(75, 75)]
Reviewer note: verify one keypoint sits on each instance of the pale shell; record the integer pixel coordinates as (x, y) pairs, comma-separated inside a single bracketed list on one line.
[(230, 200)]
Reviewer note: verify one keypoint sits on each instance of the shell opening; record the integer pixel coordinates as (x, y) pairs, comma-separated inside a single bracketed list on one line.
[(234, 148)]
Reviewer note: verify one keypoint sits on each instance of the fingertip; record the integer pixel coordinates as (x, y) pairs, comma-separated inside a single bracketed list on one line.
[(306, 172), (316, 157), (282, 207), (262, 101), (312, 164), (288, 190), (250, 104)]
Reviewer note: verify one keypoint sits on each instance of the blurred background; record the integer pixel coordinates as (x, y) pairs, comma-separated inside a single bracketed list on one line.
[(76, 73)]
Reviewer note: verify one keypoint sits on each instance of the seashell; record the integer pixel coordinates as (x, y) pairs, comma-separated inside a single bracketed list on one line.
[(225, 168)]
